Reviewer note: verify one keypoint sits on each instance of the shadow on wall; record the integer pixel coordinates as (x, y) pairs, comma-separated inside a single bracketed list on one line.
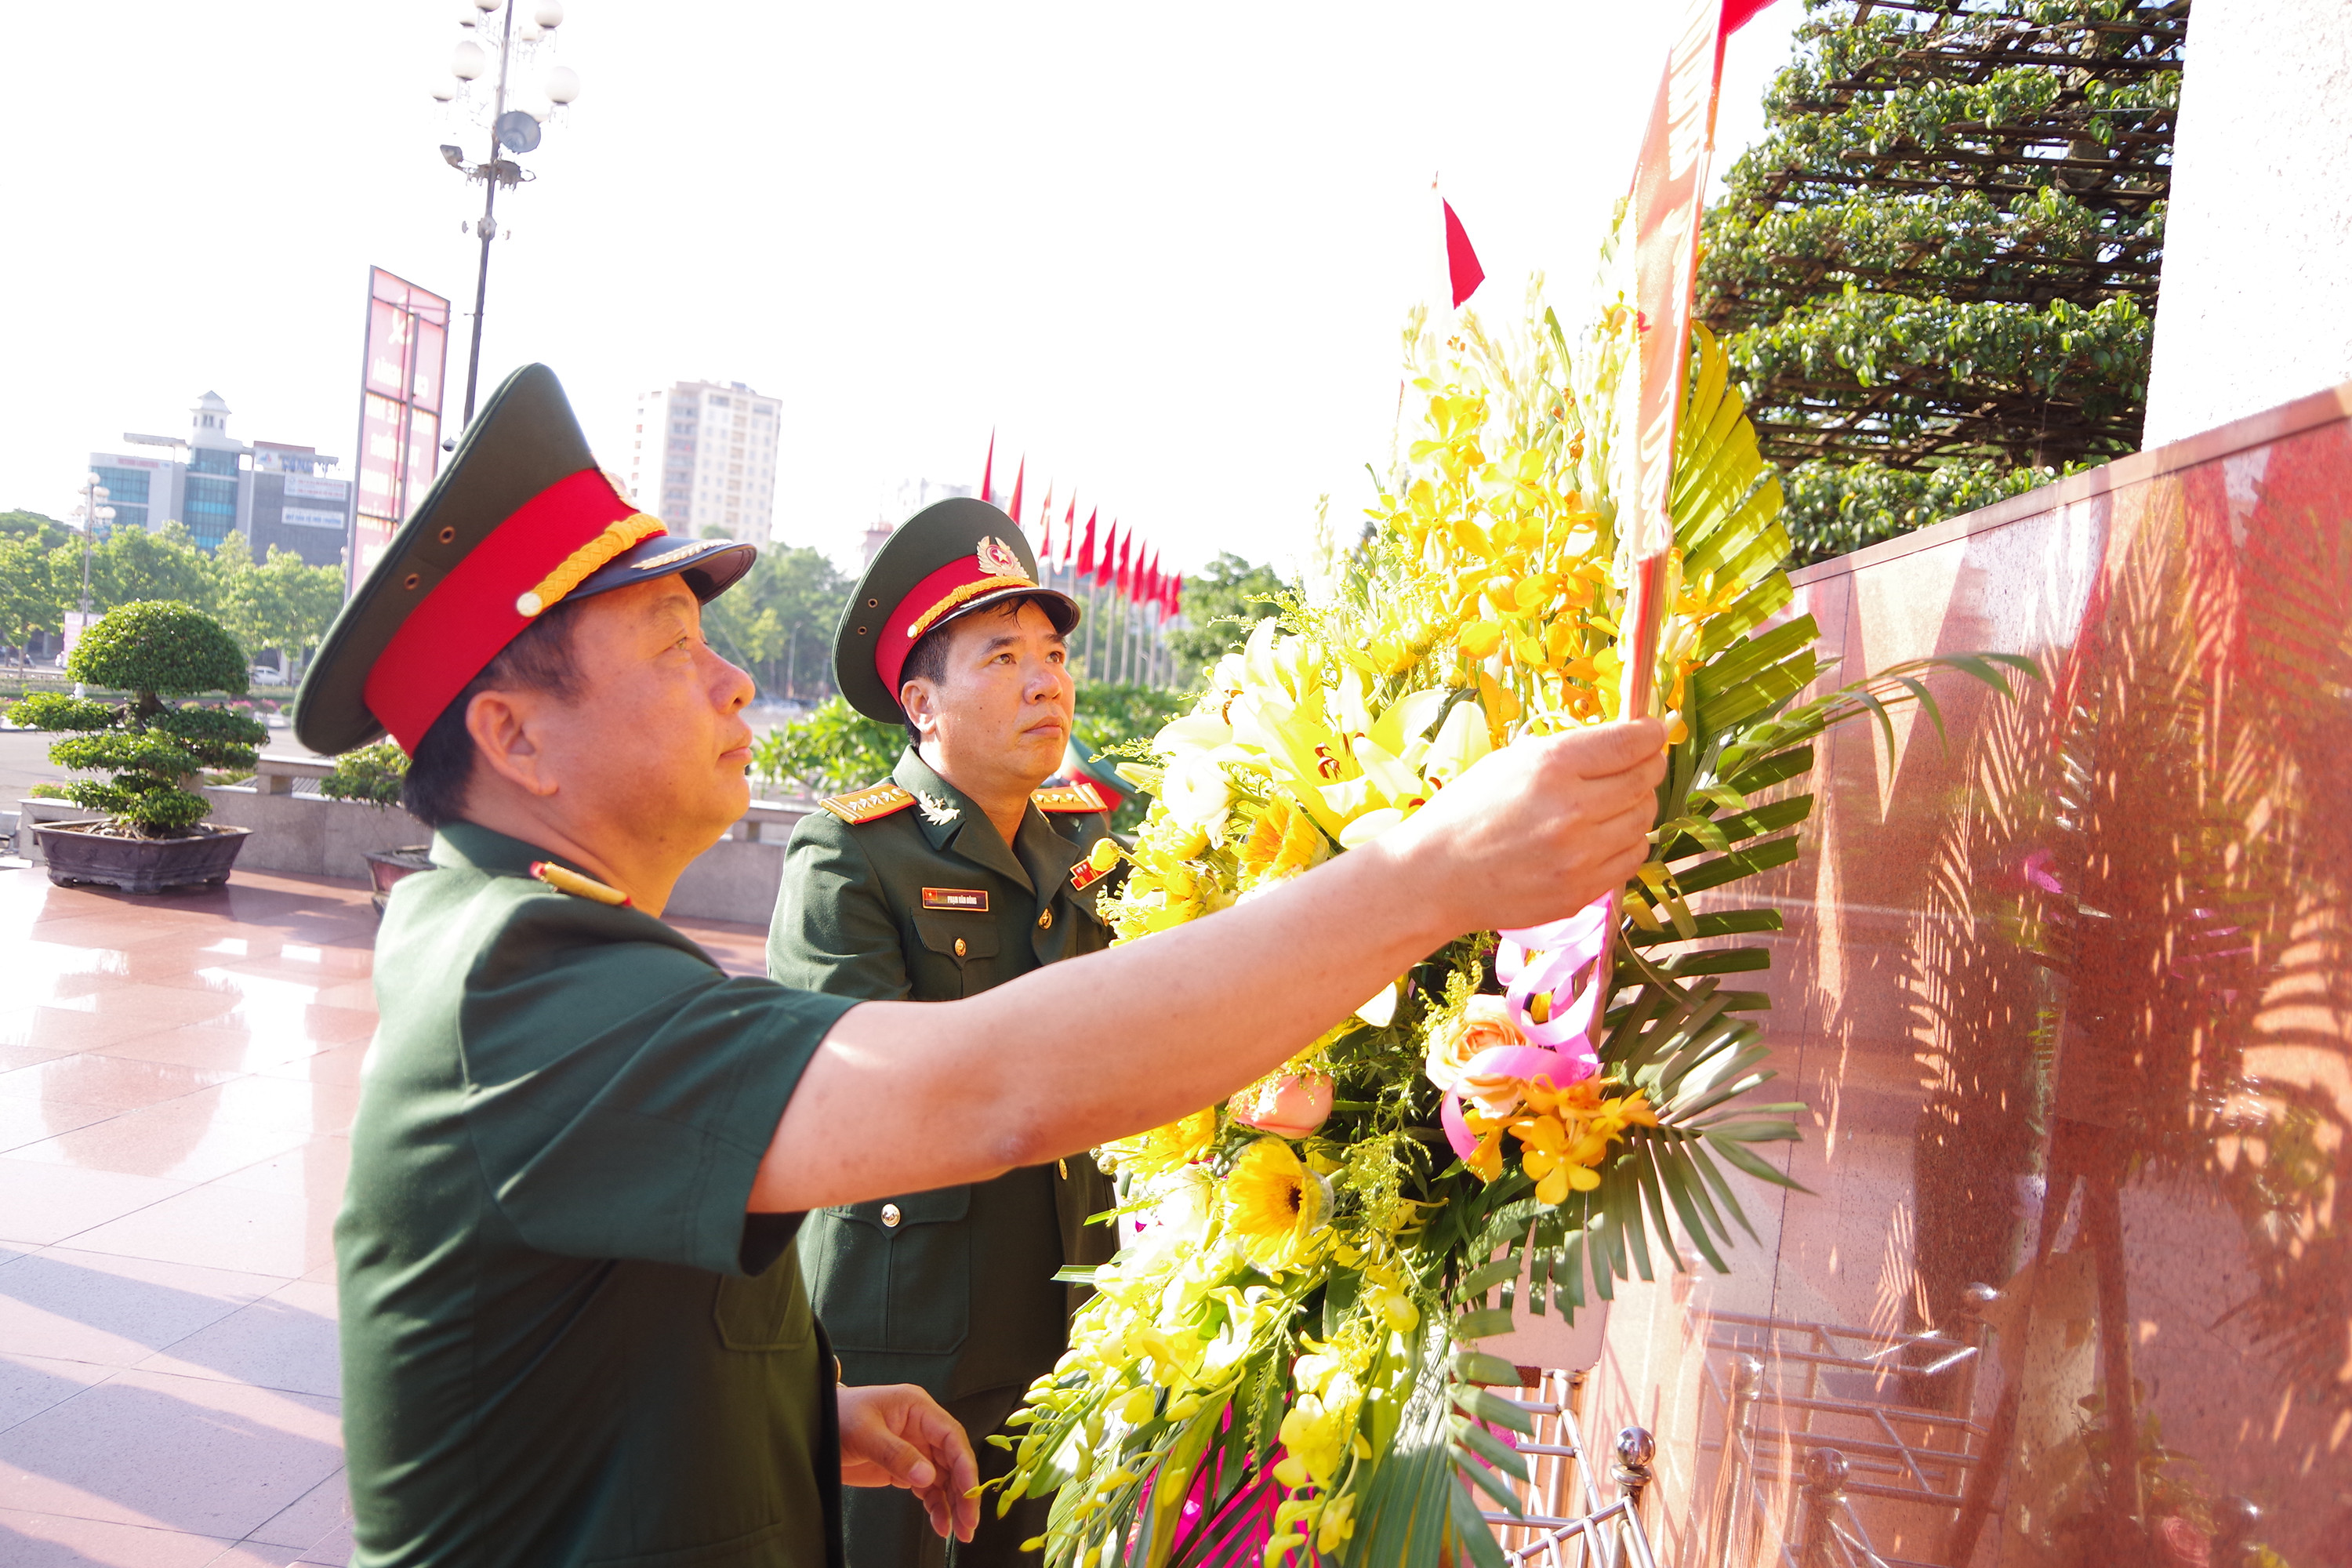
[(2071, 1000)]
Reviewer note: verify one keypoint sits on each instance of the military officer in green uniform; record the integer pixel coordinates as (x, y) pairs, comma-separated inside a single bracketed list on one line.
[(955, 874), (573, 1321)]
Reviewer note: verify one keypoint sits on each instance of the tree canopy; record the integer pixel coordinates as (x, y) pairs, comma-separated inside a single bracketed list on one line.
[(279, 603), (1219, 607), (778, 622), (1937, 273)]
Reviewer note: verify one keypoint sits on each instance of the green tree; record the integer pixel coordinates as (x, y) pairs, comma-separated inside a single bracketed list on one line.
[(1219, 607), (133, 566), (283, 603), (778, 622), (30, 602), (151, 650), (46, 532), (1937, 273)]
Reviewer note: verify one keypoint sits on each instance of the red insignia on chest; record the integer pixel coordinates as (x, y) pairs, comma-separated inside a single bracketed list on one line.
[(1084, 876)]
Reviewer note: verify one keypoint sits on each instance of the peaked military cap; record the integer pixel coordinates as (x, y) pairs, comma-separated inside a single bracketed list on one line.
[(520, 520), (948, 560)]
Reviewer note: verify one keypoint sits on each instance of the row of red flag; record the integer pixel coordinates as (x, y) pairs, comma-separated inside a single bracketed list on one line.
[(1116, 560)]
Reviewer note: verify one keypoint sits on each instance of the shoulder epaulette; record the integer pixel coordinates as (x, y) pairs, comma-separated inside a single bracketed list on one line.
[(868, 805), (563, 880), (1079, 796)]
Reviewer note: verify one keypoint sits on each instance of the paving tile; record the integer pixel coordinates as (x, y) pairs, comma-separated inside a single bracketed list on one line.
[(225, 1045), (45, 1201), (336, 1064), (184, 1453), (175, 1139), (252, 1553), (285, 1341), (316, 1170), (13, 1057), (31, 1383), (63, 1030), (225, 1228), (47, 1540), (312, 1518), (25, 1122), (109, 1310), (334, 1551), (294, 1104), (88, 1079)]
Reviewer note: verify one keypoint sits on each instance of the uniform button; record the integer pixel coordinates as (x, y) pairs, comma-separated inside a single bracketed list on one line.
[(890, 1216), (1045, 920), (958, 954)]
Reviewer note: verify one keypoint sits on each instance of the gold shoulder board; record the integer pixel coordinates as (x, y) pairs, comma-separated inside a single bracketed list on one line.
[(1079, 796), (563, 880), (868, 805)]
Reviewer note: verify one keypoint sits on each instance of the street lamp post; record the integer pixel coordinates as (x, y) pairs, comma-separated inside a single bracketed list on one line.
[(94, 511), (511, 130)]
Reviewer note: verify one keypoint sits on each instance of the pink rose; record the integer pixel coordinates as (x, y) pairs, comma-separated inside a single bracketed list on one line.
[(1484, 1024), (1288, 1105)]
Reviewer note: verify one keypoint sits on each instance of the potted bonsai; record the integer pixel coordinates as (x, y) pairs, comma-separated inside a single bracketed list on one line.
[(374, 774), (155, 836)]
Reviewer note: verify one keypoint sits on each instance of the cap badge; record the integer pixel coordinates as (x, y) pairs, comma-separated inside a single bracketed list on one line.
[(996, 559)]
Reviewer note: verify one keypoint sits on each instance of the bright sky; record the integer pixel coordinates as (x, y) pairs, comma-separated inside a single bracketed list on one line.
[(1166, 254)]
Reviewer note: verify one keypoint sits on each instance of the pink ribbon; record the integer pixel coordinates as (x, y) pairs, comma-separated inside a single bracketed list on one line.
[(1562, 963)]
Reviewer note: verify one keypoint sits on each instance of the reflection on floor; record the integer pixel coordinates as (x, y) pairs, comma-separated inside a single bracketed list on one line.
[(176, 1078)]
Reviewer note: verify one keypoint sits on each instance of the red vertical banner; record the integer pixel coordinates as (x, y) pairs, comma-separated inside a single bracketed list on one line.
[(401, 385), (1669, 183)]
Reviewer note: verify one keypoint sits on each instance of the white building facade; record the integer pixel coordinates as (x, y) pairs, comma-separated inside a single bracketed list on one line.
[(704, 457), (271, 494)]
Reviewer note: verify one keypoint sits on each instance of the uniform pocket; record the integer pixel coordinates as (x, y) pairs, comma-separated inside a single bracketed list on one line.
[(894, 1275), (768, 1311), (965, 940)]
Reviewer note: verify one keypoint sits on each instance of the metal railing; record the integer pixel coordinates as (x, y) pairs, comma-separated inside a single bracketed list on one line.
[(1567, 1524), (1909, 1440)]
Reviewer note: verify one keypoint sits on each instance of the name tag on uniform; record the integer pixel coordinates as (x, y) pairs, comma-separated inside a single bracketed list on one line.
[(972, 898)]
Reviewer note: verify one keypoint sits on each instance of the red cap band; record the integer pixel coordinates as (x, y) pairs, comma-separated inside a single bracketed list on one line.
[(469, 617), (929, 602)]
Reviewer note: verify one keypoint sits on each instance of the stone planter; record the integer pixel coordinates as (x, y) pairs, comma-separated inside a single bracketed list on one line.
[(387, 866), (140, 865)]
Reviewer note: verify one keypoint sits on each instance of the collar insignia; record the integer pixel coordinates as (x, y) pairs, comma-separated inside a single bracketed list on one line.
[(935, 812), (1080, 796), (563, 880)]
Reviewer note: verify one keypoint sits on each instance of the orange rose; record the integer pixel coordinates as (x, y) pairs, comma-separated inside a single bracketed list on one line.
[(1482, 1026)]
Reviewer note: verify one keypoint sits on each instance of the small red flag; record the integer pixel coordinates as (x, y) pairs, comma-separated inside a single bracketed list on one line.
[(1070, 529), (1461, 261), (1124, 580), (1045, 526), (1176, 594), (1019, 474), (1086, 551), (988, 471)]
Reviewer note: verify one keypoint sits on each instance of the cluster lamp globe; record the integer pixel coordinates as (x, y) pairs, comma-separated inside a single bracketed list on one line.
[(497, 42)]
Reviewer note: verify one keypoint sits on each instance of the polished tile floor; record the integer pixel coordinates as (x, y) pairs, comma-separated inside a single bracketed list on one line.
[(177, 1076)]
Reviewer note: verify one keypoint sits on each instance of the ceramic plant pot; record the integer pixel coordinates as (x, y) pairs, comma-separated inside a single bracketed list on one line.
[(387, 866), (77, 855)]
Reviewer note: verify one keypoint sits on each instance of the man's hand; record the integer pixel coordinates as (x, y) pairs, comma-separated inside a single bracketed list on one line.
[(1535, 831), (895, 1434)]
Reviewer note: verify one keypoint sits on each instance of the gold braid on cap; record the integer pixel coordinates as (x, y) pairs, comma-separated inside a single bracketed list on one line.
[(617, 537), (963, 595)]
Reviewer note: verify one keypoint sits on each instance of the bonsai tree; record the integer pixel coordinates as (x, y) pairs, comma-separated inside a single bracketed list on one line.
[(150, 649), (373, 774)]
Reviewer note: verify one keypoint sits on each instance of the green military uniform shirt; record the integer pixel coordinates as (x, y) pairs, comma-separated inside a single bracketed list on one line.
[(563, 1340), (951, 1290)]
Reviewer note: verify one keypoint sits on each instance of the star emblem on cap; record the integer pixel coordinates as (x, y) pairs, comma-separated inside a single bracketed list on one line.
[(996, 559)]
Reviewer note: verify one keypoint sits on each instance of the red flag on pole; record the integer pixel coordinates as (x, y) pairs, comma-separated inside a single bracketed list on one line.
[(1462, 268), (1046, 527), (1176, 594), (1086, 551), (1070, 529), (1124, 581), (1669, 183), (988, 471), (1019, 474)]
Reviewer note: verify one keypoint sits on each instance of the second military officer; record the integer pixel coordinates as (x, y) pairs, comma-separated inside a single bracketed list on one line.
[(952, 876)]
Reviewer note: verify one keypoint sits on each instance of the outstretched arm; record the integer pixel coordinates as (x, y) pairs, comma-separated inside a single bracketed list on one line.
[(903, 1096)]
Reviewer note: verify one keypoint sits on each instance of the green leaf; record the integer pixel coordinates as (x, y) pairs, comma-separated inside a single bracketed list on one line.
[(1482, 1324)]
